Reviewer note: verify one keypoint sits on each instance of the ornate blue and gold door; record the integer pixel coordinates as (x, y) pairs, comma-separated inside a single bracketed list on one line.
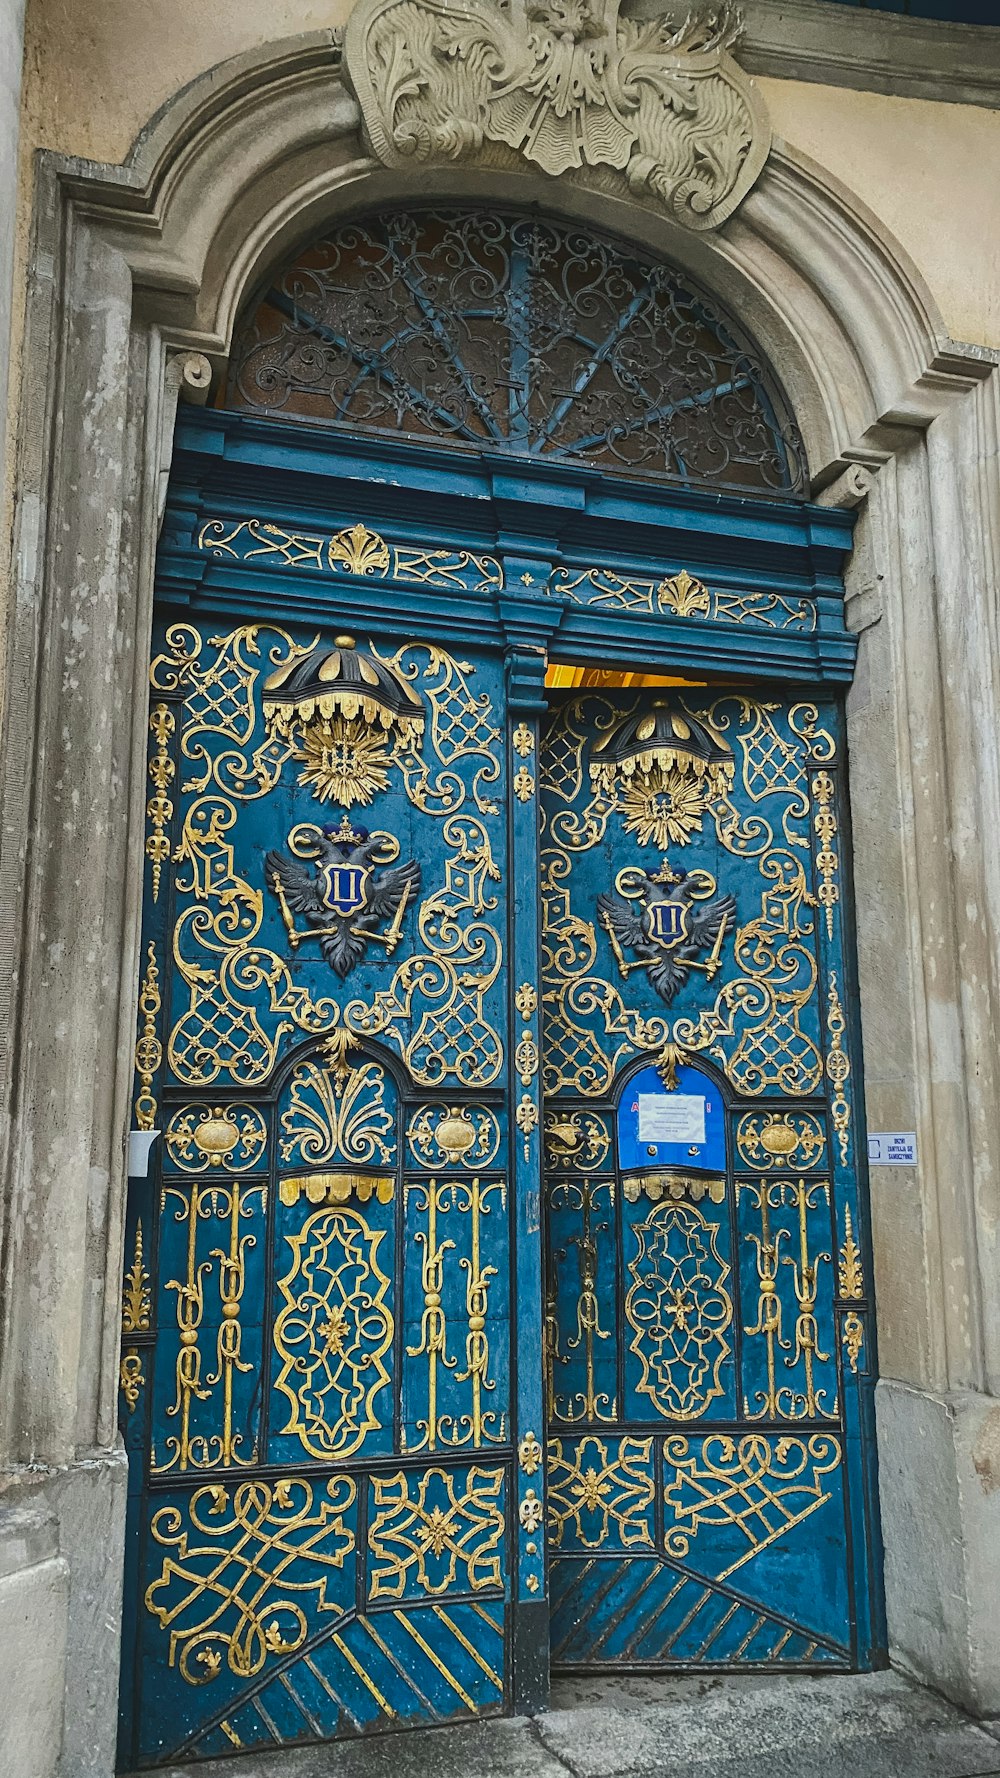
[(708, 1352), (460, 448), (316, 1369)]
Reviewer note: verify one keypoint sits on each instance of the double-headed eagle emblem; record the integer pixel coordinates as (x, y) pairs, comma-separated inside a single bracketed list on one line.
[(338, 892), (674, 921)]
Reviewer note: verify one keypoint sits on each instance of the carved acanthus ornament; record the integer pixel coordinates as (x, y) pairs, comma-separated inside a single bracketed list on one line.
[(567, 84)]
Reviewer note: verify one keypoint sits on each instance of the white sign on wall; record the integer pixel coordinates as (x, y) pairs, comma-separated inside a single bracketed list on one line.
[(893, 1148)]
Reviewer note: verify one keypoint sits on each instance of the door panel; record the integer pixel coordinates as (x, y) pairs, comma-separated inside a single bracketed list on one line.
[(316, 1362), (708, 1340)]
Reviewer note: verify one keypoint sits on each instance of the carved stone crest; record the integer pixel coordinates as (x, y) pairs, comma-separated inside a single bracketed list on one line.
[(567, 84)]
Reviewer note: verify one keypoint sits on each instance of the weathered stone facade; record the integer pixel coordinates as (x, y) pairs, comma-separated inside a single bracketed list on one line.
[(129, 279)]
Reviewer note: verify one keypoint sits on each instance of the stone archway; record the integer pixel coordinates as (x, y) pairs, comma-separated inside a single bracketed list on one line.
[(139, 274)]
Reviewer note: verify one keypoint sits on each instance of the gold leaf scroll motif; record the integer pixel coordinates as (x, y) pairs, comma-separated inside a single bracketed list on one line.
[(244, 1558), (770, 1141), (201, 1138), (600, 1491), (448, 980), (762, 1007), (159, 808), (322, 1123), (679, 1310), (333, 1332), (444, 1199), (462, 729), (231, 1204), (136, 1301), (148, 1049), (760, 1486), (850, 1277), (453, 1135), (802, 1347), (434, 1531), (230, 978)]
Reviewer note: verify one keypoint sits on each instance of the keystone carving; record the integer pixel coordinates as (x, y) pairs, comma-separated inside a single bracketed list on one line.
[(566, 84)]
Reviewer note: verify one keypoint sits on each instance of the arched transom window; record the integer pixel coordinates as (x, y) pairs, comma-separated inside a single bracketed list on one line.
[(518, 335)]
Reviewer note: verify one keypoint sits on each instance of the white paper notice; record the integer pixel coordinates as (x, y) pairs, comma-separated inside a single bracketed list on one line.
[(671, 1117)]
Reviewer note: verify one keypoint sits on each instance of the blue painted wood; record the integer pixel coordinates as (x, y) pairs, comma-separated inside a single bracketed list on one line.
[(271, 1678), (711, 1339)]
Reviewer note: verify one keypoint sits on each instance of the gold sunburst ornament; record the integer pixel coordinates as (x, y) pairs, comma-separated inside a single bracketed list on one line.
[(662, 808), (663, 766), (344, 762), (341, 709)]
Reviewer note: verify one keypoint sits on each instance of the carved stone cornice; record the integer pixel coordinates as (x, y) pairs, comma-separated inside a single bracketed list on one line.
[(565, 84)]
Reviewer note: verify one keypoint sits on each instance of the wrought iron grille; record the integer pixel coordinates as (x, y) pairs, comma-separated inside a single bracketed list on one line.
[(514, 334)]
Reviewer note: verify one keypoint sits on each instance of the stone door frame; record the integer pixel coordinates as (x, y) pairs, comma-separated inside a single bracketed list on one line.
[(137, 274)]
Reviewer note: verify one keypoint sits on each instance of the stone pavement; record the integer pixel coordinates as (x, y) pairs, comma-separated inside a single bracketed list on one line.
[(873, 1725)]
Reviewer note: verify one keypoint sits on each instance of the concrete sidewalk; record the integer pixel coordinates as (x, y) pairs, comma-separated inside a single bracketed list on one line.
[(873, 1725)]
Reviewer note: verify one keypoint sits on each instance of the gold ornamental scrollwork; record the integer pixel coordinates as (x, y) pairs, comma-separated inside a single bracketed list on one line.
[(529, 1453), (453, 1135), (770, 1141), (462, 728), (440, 1201), (579, 1140), (850, 1278), (436, 1530), (526, 1000), (148, 1049), (136, 1298), (131, 1378), (759, 1486), (762, 1008), (526, 1058), (679, 1310), (448, 980), (159, 808), (825, 825), (526, 1118), (803, 1397), (580, 1197), (853, 1337), (354, 550), (241, 1565), (333, 1332), (331, 1116), (838, 1069), (600, 1493), (682, 595), (202, 1138), (195, 1204)]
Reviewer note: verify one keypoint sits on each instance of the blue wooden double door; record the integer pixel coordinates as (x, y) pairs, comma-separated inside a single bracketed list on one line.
[(496, 1288)]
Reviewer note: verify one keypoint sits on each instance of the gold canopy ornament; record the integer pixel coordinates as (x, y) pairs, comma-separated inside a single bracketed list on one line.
[(339, 708), (663, 766)]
